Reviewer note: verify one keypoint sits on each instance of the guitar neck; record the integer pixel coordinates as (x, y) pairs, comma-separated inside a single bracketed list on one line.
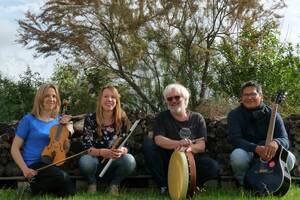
[(271, 124)]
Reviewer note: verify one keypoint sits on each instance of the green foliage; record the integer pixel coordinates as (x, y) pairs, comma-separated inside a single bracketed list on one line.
[(81, 87), (257, 54), (16, 98), (73, 88), (145, 44)]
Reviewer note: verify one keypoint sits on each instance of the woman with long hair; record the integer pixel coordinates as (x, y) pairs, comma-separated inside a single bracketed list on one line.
[(32, 136), (101, 130)]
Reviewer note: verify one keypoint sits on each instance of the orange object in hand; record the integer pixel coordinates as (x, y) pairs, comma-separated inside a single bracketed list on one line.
[(59, 143)]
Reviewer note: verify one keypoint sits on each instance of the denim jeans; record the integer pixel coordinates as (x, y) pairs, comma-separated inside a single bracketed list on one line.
[(90, 167), (157, 160), (51, 180), (240, 161)]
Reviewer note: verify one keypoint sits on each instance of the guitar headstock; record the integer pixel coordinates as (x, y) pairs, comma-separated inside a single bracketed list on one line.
[(280, 96)]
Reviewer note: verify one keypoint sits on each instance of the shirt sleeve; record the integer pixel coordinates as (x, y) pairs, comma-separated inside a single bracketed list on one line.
[(88, 130), (201, 127), (158, 128), (23, 127), (280, 134)]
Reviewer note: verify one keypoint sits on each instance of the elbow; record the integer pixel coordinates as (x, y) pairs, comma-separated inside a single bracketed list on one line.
[(160, 141), (13, 150), (157, 140)]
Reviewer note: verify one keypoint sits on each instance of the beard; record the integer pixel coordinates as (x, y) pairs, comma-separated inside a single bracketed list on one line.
[(177, 110)]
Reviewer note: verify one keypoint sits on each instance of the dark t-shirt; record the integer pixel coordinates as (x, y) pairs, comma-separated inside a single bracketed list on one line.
[(166, 125)]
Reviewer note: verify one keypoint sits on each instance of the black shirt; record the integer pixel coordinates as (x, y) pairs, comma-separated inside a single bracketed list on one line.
[(166, 125)]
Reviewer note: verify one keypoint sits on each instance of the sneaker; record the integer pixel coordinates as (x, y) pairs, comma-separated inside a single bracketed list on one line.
[(92, 188), (163, 190), (200, 189), (114, 190)]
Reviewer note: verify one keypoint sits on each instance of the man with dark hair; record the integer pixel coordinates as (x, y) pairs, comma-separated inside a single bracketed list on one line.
[(248, 125)]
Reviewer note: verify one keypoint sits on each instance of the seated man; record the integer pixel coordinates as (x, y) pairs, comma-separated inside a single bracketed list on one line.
[(248, 125), (178, 128)]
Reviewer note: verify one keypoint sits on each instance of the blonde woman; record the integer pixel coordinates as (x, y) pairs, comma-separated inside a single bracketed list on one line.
[(100, 132), (32, 136)]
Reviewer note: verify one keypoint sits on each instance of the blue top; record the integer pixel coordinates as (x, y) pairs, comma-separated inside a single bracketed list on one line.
[(35, 134), (248, 128)]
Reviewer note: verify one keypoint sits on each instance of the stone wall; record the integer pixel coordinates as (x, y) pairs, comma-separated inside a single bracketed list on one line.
[(218, 146)]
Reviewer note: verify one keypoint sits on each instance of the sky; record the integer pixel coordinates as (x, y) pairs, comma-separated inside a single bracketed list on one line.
[(15, 58)]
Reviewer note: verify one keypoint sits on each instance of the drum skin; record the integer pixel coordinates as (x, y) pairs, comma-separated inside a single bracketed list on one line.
[(179, 175)]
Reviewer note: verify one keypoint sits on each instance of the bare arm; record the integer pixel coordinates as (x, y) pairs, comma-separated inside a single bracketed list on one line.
[(108, 153), (166, 143), (17, 156), (199, 146)]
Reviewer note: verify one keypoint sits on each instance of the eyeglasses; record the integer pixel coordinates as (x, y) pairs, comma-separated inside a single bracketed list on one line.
[(253, 95), (174, 97)]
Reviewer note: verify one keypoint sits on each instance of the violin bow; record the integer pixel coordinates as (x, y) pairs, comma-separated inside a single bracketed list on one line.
[(57, 162)]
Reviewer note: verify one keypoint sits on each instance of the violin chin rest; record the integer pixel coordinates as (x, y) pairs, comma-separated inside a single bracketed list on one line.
[(46, 159)]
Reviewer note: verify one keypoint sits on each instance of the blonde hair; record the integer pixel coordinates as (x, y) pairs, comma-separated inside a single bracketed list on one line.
[(119, 116), (39, 100)]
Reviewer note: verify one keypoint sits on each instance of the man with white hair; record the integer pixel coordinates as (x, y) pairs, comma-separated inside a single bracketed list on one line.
[(178, 129)]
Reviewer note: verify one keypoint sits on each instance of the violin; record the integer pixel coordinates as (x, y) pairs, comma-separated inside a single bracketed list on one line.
[(59, 143)]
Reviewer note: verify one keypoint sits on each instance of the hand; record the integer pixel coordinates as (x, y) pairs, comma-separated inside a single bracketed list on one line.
[(111, 153), (185, 143), (267, 152), (124, 150), (65, 119), (261, 151), (271, 149), (94, 152), (181, 148), (29, 173), (116, 153), (184, 149)]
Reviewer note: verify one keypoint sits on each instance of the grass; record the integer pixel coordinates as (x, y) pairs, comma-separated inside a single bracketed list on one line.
[(225, 193)]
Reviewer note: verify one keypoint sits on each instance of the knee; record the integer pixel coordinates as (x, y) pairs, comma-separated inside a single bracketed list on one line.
[(214, 168), (87, 164), (128, 163), (291, 159), (240, 158)]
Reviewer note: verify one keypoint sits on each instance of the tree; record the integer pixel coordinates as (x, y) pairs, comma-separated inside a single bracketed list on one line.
[(82, 88), (16, 98), (145, 43), (259, 55)]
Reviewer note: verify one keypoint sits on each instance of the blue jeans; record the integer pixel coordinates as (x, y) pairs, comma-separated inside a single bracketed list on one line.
[(157, 160), (90, 167), (240, 161)]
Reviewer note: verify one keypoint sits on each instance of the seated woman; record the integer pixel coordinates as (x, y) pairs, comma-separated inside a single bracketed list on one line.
[(32, 136), (101, 129)]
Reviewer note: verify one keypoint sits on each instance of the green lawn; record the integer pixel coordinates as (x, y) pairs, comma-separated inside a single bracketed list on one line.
[(225, 193)]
